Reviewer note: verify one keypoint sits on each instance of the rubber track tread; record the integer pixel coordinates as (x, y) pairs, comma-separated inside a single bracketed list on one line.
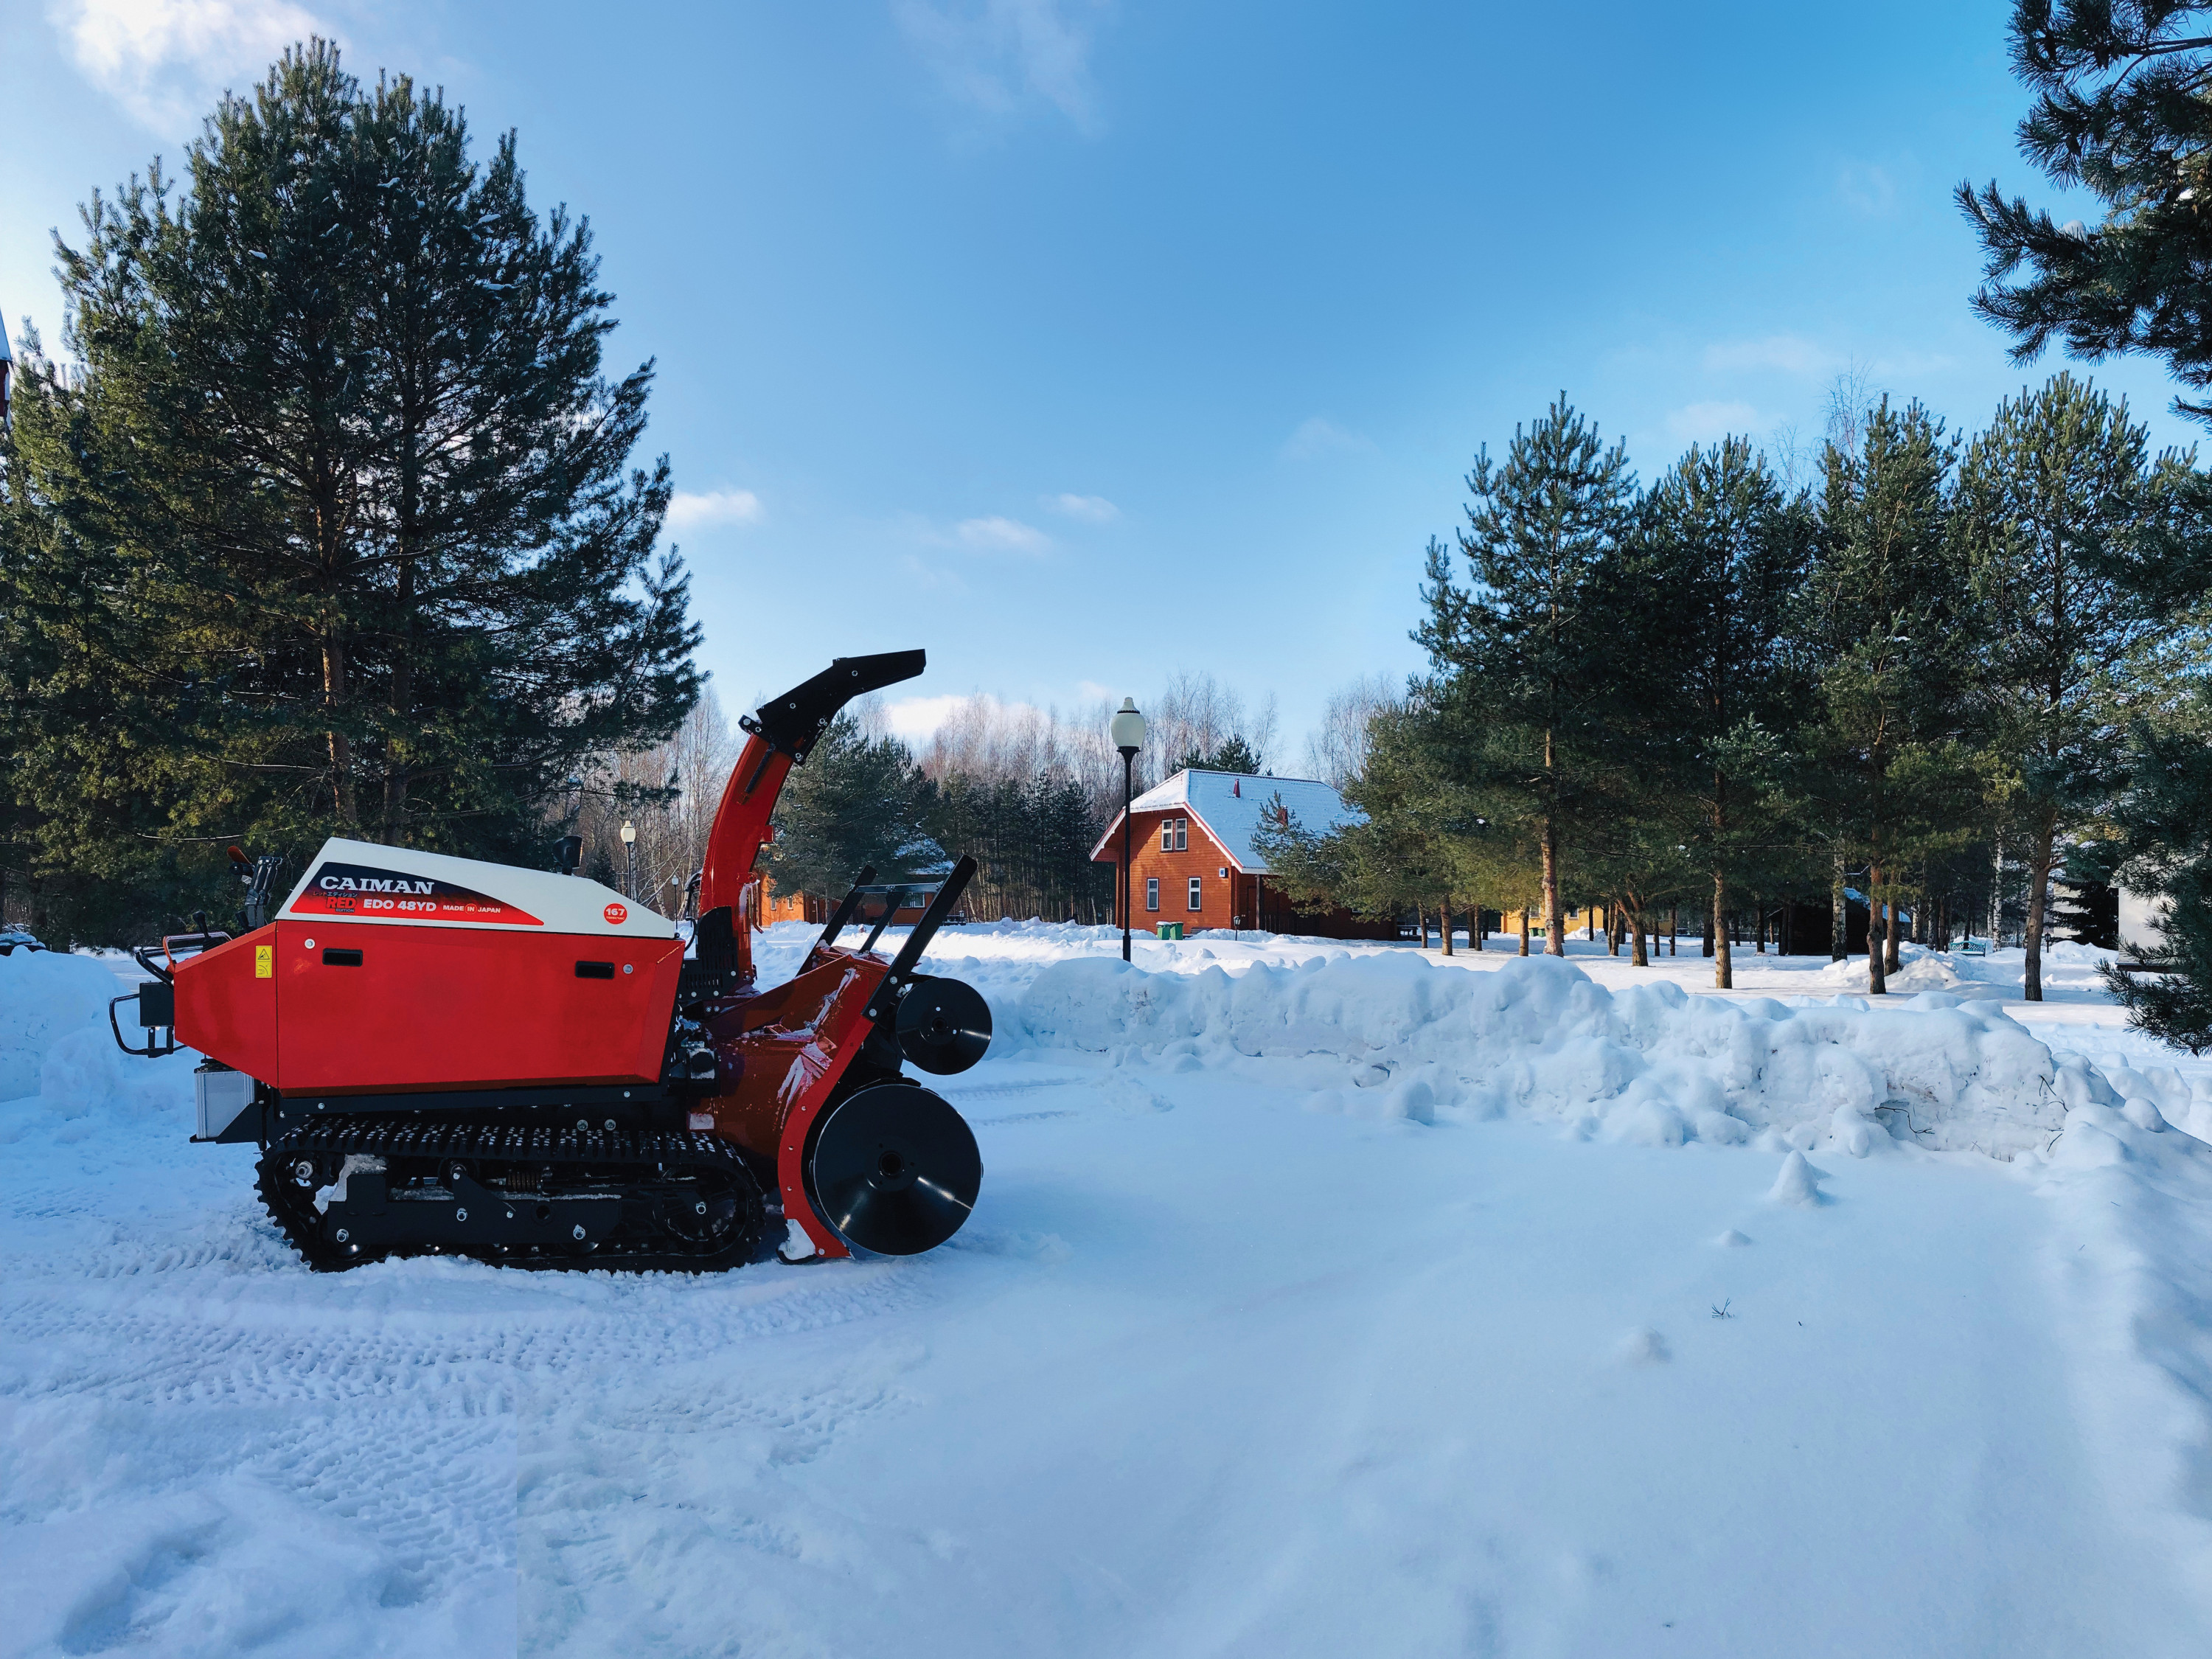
[(622, 1155)]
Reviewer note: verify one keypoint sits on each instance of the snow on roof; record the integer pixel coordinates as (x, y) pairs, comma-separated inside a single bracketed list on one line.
[(1229, 804)]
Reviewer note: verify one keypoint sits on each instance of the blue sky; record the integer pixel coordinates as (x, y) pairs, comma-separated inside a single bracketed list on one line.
[(1083, 341)]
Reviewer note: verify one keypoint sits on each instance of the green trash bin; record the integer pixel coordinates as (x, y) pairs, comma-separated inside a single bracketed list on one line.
[(1170, 930)]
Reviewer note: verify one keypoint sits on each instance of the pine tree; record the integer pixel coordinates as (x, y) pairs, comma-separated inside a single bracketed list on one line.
[(1708, 680), (365, 555), (1881, 614), (1235, 754), (1422, 841), (2119, 111), (2051, 497), (859, 801), (2163, 847), (1523, 649)]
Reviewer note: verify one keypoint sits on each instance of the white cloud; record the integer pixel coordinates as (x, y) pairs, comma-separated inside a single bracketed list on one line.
[(1317, 439), (1699, 423), (690, 511), (928, 576), (1091, 509), (1867, 189), (166, 60), (998, 55), (1000, 535), (1788, 354), (916, 718), (1907, 366)]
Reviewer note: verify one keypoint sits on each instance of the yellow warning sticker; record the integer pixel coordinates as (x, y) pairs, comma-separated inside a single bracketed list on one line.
[(264, 962)]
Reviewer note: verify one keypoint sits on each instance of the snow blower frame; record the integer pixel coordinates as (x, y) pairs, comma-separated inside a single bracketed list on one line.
[(439, 1055)]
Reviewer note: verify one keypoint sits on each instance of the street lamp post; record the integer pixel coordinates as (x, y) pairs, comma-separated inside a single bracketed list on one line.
[(630, 852), (1129, 729)]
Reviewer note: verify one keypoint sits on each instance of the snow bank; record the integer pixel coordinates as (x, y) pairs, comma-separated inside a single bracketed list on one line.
[(44, 996), (1920, 969), (55, 1044), (1647, 1064), (2136, 1204)]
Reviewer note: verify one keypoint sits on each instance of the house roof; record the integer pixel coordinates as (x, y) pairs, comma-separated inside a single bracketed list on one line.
[(1229, 804)]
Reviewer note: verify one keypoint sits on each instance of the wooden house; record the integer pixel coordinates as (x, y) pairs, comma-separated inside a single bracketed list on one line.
[(1193, 860)]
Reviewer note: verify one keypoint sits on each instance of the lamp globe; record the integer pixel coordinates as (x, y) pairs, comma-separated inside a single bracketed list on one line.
[(1128, 728)]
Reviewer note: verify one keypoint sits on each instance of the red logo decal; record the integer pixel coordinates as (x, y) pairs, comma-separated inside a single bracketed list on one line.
[(616, 914)]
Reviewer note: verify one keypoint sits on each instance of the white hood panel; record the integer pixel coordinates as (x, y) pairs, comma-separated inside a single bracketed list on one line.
[(361, 881)]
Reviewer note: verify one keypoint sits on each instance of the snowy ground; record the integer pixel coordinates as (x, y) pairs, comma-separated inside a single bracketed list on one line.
[(1322, 1299)]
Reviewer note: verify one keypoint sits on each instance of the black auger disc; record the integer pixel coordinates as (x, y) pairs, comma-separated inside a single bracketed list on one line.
[(894, 1169), (943, 1025)]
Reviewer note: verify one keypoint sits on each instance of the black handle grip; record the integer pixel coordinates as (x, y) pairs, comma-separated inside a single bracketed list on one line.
[(895, 899), (844, 916)]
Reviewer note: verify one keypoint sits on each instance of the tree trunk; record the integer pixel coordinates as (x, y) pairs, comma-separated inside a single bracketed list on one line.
[(1877, 933), (1524, 929), (1724, 964), (1639, 954), (1997, 888), (1708, 949), (1759, 931), (334, 697), (1555, 933), (401, 704), (1443, 914), (1894, 941), (2039, 897), (1839, 921), (1674, 927)]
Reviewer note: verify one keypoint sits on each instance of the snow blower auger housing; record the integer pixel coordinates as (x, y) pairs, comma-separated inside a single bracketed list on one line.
[(441, 1056)]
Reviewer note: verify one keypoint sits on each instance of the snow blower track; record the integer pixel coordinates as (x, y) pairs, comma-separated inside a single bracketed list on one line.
[(657, 1175)]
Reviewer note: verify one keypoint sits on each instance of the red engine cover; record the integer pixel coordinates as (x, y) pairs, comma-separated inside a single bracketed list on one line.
[(226, 1003), (374, 1008)]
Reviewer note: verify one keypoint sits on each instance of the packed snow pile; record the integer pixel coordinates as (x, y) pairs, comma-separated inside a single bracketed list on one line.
[(44, 996), (1647, 1064), (55, 1044), (1919, 969)]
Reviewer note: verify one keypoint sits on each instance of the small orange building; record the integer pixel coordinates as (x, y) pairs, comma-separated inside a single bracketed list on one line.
[(769, 906), (766, 906), (1193, 861)]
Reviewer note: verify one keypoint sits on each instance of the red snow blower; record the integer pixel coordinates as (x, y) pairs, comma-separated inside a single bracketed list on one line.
[(441, 1056)]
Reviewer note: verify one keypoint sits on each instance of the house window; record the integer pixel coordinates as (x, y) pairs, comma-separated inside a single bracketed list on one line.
[(1167, 834), (1195, 902), (1151, 892), (1182, 834)]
